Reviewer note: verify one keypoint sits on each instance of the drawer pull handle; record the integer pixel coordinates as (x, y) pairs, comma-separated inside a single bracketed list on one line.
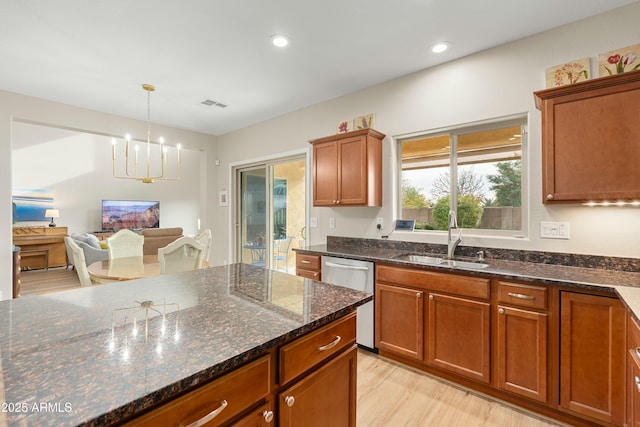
[(315, 274), (304, 261), (211, 415), (521, 296), (268, 416), (330, 345), (637, 381), (289, 400)]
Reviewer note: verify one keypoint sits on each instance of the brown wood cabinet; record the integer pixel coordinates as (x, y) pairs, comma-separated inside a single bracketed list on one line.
[(219, 401), (522, 340), (263, 416), (16, 271), (460, 335), (41, 247), (451, 332), (592, 356), (399, 320), (315, 384), (326, 397), (633, 371), (347, 169), (309, 266), (590, 134)]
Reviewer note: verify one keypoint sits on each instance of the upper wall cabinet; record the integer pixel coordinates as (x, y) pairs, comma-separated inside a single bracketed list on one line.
[(591, 140), (347, 169)]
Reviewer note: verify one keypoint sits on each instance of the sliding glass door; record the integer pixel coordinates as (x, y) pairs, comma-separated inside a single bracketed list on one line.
[(271, 213)]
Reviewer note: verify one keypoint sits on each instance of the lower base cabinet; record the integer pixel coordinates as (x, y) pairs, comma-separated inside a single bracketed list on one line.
[(402, 330), (522, 352), (315, 385), (554, 350), (261, 417), (327, 397), (217, 402), (459, 336), (592, 356), (633, 389)]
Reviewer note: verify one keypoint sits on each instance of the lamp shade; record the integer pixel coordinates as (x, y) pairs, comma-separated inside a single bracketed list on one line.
[(52, 213)]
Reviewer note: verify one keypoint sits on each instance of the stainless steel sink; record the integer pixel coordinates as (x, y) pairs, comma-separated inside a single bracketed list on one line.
[(421, 259), (464, 264), (435, 260)]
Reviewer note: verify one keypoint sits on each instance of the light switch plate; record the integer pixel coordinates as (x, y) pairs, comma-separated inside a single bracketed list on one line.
[(313, 222), (332, 223), (554, 230)]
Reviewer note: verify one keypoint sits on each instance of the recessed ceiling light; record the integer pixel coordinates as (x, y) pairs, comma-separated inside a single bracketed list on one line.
[(279, 40), (440, 47)]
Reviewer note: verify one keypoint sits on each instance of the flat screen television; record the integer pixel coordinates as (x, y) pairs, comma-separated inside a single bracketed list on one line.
[(130, 214)]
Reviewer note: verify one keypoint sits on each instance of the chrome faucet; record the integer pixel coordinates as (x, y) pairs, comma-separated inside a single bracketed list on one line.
[(452, 244)]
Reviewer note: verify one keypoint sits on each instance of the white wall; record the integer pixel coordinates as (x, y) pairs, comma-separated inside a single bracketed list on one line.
[(77, 168), (494, 83), (64, 161)]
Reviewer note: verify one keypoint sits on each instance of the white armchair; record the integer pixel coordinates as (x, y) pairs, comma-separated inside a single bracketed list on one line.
[(90, 246)]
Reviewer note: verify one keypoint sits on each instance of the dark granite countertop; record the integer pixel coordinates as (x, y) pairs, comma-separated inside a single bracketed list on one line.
[(623, 283), (552, 274), (65, 359)]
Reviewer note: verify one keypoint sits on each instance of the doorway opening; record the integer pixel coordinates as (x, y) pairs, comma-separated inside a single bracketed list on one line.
[(271, 212)]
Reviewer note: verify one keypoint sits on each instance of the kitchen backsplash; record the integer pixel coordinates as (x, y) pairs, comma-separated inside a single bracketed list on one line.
[(575, 260)]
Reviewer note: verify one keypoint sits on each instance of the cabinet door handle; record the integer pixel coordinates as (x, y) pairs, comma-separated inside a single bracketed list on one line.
[(315, 274), (430, 297), (211, 415), (637, 381), (330, 345), (304, 261), (501, 310), (418, 294), (638, 351), (549, 196), (521, 296), (268, 416), (289, 400)]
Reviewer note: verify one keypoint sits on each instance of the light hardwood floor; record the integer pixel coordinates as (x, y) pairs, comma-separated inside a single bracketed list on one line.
[(389, 394)]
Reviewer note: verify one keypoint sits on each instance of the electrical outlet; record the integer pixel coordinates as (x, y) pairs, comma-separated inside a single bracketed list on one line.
[(379, 223), (554, 230), (332, 223)]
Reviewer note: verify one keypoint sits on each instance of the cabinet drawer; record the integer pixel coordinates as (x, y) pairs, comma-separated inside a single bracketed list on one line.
[(633, 333), (309, 274), (441, 282), (307, 262), (240, 389), (308, 351), (522, 295)]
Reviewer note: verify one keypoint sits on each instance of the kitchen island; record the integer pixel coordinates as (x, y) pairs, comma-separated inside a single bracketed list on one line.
[(101, 355)]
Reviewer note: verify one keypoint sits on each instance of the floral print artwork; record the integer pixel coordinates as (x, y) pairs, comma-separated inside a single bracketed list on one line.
[(569, 73), (619, 61)]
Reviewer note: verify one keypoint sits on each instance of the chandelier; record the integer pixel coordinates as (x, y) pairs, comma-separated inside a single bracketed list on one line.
[(160, 170)]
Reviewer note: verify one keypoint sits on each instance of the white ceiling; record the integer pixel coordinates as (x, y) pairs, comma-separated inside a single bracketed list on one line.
[(96, 54)]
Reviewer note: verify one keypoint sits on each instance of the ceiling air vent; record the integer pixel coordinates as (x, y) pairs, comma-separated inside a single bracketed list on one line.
[(211, 103)]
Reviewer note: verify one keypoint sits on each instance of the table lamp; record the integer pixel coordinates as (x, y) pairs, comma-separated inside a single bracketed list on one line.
[(52, 213)]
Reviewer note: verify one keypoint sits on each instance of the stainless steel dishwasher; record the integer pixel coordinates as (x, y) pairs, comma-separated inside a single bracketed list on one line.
[(357, 275)]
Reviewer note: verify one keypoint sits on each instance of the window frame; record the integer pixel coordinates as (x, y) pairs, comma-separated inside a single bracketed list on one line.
[(521, 119)]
